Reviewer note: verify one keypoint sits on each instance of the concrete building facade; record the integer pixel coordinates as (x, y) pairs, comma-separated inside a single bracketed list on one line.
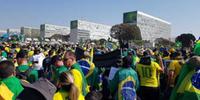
[(13, 31), (83, 30), (48, 30), (30, 32), (150, 27)]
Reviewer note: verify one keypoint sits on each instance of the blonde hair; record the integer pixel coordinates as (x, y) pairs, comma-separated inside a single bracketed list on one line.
[(67, 79)]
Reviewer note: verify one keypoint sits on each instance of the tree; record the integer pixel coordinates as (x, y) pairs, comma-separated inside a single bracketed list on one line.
[(124, 33), (186, 40), (163, 42)]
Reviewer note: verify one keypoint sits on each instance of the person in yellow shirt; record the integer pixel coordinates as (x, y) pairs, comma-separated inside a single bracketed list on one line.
[(173, 71), (148, 72), (68, 90), (174, 68)]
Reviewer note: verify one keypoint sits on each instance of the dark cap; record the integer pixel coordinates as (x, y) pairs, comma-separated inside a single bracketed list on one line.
[(56, 58), (127, 61), (22, 54)]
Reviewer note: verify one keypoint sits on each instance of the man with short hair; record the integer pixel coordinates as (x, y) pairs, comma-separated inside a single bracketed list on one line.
[(7, 71), (125, 81), (23, 71), (57, 67), (79, 78)]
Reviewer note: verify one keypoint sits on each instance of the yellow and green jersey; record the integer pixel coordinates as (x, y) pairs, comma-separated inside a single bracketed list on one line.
[(148, 74)]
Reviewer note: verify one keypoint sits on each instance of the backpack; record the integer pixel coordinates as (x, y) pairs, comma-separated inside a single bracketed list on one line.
[(45, 85), (42, 89), (126, 89), (23, 75)]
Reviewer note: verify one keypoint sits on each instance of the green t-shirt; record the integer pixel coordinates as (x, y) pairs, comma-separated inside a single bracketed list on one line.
[(32, 76), (14, 85), (4, 54)]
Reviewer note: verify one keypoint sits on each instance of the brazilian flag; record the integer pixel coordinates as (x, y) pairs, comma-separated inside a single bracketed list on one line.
[(188, 85), (10, 88), (197, 48), (5, 93)]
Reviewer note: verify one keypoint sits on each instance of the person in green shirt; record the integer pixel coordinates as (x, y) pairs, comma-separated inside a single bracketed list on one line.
[(58, 67), (7, 71), (23, 71), (125, 82)]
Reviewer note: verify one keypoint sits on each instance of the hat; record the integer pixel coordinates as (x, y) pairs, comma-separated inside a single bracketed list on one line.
[(22, 54), (87, 54), (127, 61), (172, 50)]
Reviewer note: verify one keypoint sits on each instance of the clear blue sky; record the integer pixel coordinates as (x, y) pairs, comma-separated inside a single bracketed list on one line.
[(183, 14)]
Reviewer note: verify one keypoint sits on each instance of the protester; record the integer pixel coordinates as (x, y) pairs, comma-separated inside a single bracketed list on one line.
[(23, 71), (148, 72), (68, 89), (159, 70), (188, 82), (47, 64), (89, 70), (79, 78), (7, 72), (125, 82), (57, 68)]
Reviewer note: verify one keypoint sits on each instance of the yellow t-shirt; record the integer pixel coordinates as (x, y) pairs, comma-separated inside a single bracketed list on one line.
[(176, 67), (148, 74), (62, 95), (30, 53)]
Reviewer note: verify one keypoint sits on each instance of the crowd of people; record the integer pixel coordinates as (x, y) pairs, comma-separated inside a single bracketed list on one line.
[(55, 72)]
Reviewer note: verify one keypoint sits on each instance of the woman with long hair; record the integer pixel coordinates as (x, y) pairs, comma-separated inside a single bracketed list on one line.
[(67, 91)]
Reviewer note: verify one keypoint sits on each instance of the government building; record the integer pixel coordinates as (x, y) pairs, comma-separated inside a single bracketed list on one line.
[(83, 30), (151, 27)]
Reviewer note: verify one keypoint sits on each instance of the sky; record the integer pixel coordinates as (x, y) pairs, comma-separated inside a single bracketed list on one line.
[(184, 15)]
